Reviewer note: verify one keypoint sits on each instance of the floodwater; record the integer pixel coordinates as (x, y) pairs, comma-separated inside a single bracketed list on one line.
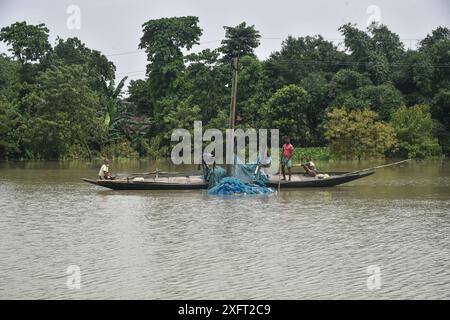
[(383, 237)]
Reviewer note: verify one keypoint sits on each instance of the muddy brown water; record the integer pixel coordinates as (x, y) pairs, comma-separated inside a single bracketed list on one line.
[(300, 244)]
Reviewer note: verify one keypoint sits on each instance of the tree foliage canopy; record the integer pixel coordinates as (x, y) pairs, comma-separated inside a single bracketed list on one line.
[(365, 97), (28, 42), (358, 134), (415, 128), (239, 41)]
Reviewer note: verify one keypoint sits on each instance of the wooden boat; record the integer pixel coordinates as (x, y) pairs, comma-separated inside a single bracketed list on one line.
[(196, 182), (299, 180)]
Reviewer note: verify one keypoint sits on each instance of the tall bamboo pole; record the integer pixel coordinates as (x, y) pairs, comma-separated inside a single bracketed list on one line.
[(232, 122)]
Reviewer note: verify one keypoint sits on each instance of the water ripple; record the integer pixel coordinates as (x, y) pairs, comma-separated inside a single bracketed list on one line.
[(312, 244)]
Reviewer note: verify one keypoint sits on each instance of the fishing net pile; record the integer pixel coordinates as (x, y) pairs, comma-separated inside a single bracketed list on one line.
[(245, 179), (232, 186)]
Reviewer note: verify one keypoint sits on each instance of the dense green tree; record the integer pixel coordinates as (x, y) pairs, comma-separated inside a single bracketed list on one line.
[(357, 42), (208, 83), (382, 99), (440, 111), (343, 88), (318, 89), (9, 76), (28, 44), (436, 80), (347, 80), (377, 68), (163, 40), (253, 91), (73, 51), (414, 77), (424, 72), (375, 52), (386, 43), (287, 110), (9, 119), (139, 93), (182, 117), (358, 134), (441, 107), (64, 100), (239, 41), (437, 48), (299, 57), (415, 131), (66, 113), (437, 35)]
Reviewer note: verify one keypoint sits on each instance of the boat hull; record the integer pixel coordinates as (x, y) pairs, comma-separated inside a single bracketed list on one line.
[(334, 180), (130, 185)]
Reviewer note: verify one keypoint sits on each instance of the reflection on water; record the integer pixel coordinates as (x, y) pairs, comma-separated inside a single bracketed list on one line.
[(306, 243)]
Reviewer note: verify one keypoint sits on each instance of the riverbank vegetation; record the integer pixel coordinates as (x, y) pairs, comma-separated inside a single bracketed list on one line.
[(371, 98)]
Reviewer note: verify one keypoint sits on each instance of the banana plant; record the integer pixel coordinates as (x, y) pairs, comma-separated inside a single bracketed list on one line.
[(112, 101)]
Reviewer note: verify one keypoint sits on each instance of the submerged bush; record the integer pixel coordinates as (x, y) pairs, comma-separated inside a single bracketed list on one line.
[(122, 149), (415, 131), (358, 134), (76, 151)]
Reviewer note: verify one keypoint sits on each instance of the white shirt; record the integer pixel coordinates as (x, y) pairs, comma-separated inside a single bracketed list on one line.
[(208, 158), (267, 161), (102, 169)]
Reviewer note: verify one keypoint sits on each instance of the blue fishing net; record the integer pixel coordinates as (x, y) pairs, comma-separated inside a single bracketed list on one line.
[(245, 180), (215, 175), (247, 173), (233, 186)]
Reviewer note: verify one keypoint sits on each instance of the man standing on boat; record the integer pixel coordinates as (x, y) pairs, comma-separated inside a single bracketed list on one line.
[(104, 171), (288, 151)]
